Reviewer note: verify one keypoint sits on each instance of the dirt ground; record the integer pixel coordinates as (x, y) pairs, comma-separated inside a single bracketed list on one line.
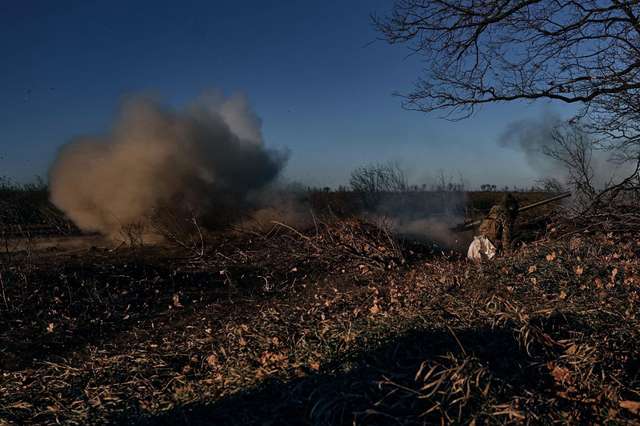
[(57, 245), (339, 324)]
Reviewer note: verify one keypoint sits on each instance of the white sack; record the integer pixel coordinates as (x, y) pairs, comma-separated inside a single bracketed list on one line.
[(481, 248)]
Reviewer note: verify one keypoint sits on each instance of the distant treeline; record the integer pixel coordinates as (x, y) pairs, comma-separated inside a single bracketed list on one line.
[(29, 205)]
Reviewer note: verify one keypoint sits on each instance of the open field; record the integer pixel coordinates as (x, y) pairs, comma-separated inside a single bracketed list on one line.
[(337, 324)]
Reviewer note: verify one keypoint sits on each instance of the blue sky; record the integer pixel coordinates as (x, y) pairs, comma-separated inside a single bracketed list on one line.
[(310, 70)]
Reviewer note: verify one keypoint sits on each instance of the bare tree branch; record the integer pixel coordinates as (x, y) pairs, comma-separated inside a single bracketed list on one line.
[(478, 52)]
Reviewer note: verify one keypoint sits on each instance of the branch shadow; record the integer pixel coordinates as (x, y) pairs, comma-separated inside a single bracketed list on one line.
[(346, 391)]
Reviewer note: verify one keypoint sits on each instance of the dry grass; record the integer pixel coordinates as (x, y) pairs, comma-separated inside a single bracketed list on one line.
[(335, 325)]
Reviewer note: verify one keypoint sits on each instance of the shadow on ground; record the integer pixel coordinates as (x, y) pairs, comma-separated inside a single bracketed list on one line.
[(349, 392)]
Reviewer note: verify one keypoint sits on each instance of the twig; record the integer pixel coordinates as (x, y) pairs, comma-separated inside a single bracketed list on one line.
[(291, 229), (4, 296), (457, 340)]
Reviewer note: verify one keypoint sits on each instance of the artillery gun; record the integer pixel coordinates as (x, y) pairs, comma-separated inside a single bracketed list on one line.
[(470, 225)]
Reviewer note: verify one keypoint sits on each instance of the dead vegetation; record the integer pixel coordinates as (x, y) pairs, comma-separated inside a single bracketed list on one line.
[(336, 324), (25, 212)]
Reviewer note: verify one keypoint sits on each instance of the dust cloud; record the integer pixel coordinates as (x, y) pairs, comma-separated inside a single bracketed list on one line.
[(204, 159)]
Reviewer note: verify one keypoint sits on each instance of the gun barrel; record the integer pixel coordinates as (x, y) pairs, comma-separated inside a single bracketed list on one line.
[(521, 209), (543, 202)]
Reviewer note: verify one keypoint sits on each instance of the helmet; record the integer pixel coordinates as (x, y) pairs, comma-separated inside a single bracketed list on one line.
[(510, 203)]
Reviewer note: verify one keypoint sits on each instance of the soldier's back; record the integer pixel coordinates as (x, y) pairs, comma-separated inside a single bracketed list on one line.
[(490, 226)]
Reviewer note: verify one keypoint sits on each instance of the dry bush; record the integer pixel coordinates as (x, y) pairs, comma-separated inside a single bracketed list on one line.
[(371, 181), (551, 185), (133, 233), (572, 148), (180, 227), (25, 211)]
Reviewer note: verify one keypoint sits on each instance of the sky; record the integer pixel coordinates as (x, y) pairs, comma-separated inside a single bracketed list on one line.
[(314, 72)]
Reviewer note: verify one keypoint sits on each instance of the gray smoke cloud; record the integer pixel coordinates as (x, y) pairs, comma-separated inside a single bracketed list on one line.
[(209, 155), (533, 137), (424, 216), (429, 217)]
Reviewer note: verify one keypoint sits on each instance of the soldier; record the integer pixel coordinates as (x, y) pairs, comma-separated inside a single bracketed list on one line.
[(498, 226)]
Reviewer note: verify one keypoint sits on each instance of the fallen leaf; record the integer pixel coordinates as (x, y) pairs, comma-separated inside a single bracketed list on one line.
[(272, 358), (560, 374), (532, 269), (20, 405), (176, 301), (212, 360), (633, 406), (551, 256)]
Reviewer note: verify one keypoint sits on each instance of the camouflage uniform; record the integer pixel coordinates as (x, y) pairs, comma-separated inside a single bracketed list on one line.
[(499, 224)]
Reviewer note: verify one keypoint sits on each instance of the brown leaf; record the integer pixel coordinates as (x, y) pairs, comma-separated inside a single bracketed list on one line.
[(212, 360), (176, 301), (272, 358), (633, 406), (560, 374)]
